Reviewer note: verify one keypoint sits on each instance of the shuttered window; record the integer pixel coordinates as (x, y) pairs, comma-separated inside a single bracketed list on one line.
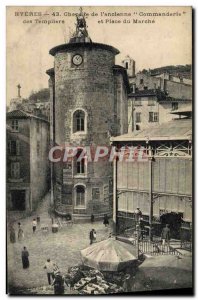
[(15, 170), (14, 147)]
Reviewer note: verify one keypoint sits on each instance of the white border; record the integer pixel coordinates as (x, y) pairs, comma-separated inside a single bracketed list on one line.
[(3, 4)]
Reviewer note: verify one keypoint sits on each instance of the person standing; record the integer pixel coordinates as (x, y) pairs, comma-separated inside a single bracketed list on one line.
[(127, 283), (25, 258), (12, 235), (106, 220), (58, 283), (165, 235), (92, 236), (34, 224), (50, 268), (138, 214), (92, 218), (20, 234)]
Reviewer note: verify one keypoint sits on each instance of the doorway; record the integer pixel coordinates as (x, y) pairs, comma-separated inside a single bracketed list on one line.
[(18, 199), (174, 221)]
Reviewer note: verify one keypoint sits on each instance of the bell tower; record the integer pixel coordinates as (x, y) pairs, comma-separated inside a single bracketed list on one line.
[(129, 64), (84, 85)]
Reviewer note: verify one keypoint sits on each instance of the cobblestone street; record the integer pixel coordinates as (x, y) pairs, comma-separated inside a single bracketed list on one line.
[(62, 247)]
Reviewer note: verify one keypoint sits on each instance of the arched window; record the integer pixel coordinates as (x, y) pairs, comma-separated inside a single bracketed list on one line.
[(127, 65), (79, 121), (80, 195)]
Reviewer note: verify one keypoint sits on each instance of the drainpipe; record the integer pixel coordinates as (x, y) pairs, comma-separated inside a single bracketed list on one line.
[(132, 106), (115, 197), (150, 197)]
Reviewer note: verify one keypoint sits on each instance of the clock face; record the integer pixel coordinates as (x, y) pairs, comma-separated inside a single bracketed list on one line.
[(77, 59)]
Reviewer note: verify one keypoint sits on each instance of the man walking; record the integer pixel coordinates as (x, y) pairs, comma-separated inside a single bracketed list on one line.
[(50, 267), (165, 235)]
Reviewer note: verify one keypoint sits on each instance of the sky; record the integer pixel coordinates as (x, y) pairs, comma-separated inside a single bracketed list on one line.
[(165, 42)]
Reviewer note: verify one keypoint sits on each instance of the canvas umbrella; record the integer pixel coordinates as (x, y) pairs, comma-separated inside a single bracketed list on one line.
[(164, 272), (109, 255)]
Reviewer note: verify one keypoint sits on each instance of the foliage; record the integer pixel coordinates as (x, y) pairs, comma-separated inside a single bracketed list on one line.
[(42, 95)]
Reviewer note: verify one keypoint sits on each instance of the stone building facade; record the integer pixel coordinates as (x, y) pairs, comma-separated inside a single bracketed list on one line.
[(153, 98), (152, 107), (27, 160), (89, 104)]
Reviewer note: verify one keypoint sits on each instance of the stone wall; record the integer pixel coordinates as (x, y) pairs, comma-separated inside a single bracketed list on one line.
[(90, 87), (23, 157), (39, 174)]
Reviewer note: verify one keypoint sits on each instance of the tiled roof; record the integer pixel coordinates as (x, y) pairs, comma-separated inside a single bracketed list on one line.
[(169, 99), (178, 129), (141, 93), (17, 114), (161, 96), (20, 114)]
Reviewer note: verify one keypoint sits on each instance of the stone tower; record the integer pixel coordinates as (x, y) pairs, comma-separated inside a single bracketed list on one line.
[(129, 64), (88, 105)]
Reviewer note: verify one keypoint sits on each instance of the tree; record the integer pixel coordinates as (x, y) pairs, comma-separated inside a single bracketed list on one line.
[(41, 95)]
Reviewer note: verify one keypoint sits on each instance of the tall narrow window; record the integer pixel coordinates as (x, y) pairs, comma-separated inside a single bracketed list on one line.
[(126, 65), (38, 148), (80, 163), (79, 121), (138, 117), (14, 147), (15, 170), (80, 196), (15, 125)]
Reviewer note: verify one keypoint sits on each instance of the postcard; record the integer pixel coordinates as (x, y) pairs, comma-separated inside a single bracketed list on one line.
[(99, 150)]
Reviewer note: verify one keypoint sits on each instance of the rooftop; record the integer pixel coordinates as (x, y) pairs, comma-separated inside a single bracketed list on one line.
[(70, 46), (20, 114), (141, 93), (80, 38), (177, 129)]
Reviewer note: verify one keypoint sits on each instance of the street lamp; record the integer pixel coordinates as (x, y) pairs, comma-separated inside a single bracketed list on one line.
[(138, 215), (151, 160)]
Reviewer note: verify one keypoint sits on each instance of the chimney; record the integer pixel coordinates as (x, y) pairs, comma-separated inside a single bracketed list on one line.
[(133, 68), (133, 88)]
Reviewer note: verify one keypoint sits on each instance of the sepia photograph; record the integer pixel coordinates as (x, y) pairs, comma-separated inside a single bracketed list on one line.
[(99, 163)]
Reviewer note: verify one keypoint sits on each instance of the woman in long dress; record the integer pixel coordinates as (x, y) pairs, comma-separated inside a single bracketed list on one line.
[(25, 258), (12, 235), (20, 234)]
